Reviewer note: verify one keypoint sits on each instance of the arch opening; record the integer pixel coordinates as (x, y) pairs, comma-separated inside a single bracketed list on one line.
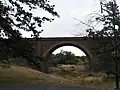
[(86, 52), (70, 55), (61, 44)]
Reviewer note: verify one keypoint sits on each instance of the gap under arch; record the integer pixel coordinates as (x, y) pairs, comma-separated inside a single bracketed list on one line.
[(68, 43), (76, 51)]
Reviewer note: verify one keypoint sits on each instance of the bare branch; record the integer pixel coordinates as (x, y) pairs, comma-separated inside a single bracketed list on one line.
[(85, 23)]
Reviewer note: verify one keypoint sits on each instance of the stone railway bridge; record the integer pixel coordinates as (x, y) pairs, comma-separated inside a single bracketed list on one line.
[(45, 46)]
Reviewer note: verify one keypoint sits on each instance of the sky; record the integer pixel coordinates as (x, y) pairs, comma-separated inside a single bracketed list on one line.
[(66, 26), (68, 9), (72, 49)]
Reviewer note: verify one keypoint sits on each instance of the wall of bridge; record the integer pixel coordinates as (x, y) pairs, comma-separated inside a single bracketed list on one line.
[(45, 46)]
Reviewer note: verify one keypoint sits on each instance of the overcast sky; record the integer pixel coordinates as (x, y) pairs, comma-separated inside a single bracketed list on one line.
[(66, 26), (67, 9), (72, 49)]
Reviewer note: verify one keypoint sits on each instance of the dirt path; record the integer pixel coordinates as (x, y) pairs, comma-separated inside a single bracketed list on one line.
[(42, 87)]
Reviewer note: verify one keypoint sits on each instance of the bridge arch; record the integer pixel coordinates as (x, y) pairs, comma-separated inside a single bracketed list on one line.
[(66, 43)]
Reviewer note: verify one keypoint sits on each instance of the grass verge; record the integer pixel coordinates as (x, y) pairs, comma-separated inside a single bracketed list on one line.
[(17, 74)]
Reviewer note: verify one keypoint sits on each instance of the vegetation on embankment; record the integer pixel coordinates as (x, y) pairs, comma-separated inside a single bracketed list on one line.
[(18, 74)]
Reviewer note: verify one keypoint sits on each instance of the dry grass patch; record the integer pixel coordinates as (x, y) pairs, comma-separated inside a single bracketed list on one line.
[(80, 75), (17, 74), (88, 80), (27, 75)]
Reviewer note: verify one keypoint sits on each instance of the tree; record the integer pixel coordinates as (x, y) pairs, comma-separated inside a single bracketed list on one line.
[(108, 51), (14, 15), (111, 31), (66, 57), (14, 18)]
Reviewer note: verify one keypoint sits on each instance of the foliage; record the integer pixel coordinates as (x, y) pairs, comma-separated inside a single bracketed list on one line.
[(14, 18), (20, 49), (109, 35), (66, 57), (15, 15)]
